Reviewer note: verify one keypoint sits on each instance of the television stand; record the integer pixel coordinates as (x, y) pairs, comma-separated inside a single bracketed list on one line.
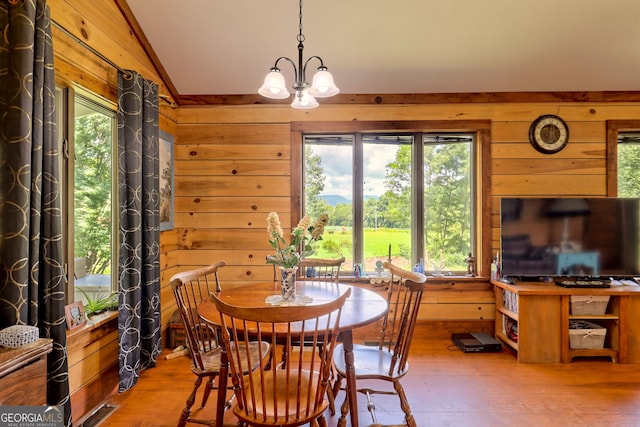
[(539, 313)]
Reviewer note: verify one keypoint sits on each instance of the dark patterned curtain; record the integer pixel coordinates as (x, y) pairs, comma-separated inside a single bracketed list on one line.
[(139, 199), (32, 281)]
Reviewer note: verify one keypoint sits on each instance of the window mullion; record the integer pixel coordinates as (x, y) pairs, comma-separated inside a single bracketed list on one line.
[(358, 203), (417, 198)]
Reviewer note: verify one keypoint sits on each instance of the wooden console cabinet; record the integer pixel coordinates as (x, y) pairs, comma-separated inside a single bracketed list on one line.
[(542, 313), (23, 374)]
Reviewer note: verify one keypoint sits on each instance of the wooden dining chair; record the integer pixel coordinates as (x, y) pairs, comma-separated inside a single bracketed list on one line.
[(203, 338), (289, 392), (388, 360), (320, 269)]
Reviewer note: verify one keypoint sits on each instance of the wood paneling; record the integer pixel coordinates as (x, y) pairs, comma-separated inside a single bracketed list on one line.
[(221, 220), (498, 112), (230, 257), (554, 166), (234, 151), (206, 168), (232, 204), (102, 26), (92, 352), (425, 98), (455, 312), (518, 131), (546, 185), (524, 152), (93, 363), (231, 133), (241, 186), (201, 238)]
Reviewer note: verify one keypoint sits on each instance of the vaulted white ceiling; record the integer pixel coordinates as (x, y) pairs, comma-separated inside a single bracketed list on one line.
[(225, 47)]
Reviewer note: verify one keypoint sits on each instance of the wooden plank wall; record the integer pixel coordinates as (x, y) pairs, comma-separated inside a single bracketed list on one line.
[(219, 186)]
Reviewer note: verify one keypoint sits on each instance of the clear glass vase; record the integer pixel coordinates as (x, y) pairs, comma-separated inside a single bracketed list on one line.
[(288, 283)]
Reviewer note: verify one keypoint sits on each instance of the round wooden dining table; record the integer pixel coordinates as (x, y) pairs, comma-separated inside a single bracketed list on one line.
[(361, 308)]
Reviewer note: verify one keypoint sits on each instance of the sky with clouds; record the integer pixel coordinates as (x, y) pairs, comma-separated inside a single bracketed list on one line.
[(337, 164)]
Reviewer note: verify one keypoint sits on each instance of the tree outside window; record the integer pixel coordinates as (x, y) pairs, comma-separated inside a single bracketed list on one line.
[(628, 160), (88, 130), (373, 186), (92, 196)]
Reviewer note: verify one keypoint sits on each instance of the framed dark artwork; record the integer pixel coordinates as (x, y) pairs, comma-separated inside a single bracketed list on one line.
[(167, 192), (75, 315)]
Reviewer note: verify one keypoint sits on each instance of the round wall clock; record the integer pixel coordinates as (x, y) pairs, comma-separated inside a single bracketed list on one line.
[(548, 134)]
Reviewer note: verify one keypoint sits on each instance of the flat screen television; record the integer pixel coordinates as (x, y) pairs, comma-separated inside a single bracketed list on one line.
[(575, 237)]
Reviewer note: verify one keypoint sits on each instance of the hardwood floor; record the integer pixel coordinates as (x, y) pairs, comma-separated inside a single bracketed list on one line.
[(446, 388)]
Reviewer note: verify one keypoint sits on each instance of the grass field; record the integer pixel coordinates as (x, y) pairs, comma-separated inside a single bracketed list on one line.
[(337, 240)]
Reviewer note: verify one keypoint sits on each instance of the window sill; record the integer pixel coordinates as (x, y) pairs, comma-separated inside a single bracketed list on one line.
[(430, 279), (95, 322), (459, 279), (446, 283)]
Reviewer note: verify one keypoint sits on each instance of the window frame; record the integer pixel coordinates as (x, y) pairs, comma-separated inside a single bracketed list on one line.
[(614, 128), (68, 95), (482, 169)]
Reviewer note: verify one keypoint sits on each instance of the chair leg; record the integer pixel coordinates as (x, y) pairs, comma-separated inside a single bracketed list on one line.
[(333, 390), (331, 395), (207, 391), (332, 400), (221, 403), (344, 411), (186, 412), (404, 404)]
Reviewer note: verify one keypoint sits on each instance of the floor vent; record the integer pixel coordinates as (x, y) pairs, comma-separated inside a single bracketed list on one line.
[(99, 416)]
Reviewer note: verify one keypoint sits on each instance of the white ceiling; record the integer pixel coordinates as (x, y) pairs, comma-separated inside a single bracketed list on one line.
[(225, 47)]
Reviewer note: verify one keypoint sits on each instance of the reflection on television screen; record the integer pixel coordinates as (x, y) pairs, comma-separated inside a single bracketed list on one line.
[(586, 237)]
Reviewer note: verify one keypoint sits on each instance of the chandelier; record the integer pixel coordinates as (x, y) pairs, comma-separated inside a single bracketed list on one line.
[(305, 95)]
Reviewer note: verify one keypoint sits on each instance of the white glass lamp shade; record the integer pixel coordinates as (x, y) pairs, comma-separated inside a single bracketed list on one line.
[(302, 100), (322, 85), (274, 86)]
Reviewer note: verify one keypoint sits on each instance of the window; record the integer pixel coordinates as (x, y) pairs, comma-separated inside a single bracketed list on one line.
[(628, 158), (408, 194), (89, 132), (448, 201)]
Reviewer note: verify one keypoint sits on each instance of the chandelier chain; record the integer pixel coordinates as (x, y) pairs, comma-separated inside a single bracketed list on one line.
[(300, 35)]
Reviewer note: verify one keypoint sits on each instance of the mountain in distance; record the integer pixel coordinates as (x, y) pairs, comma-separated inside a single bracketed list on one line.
[(335, 199)]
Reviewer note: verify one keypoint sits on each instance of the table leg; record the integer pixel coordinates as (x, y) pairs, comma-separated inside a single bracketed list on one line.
[(223, 377), (352, 393)]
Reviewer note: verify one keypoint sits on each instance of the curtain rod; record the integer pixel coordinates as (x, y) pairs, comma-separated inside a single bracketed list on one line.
[(127, 73)]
